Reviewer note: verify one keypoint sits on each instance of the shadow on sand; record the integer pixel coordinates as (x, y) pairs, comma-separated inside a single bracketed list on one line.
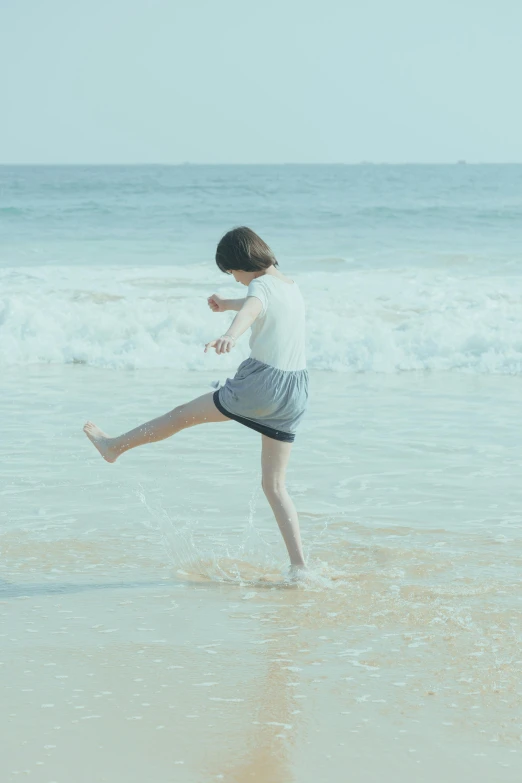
[(11, 590)]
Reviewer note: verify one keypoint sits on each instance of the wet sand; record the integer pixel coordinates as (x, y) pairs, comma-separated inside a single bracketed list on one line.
[(148, 633)]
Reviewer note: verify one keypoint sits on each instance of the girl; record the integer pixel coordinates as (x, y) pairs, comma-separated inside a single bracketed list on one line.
[(269, 391)]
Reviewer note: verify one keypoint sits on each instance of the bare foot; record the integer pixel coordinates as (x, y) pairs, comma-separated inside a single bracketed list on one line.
[(297, 573), (101, 441)]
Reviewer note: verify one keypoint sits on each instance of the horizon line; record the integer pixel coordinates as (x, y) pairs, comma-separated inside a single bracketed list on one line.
[(461, 162)]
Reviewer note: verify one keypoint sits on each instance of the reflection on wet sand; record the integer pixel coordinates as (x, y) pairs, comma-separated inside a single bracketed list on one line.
[(273, 718)]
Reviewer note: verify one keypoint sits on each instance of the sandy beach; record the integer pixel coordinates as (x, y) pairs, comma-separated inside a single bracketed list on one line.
[(148, 631)]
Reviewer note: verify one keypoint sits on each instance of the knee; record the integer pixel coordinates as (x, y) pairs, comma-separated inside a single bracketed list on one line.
[(273, 486)]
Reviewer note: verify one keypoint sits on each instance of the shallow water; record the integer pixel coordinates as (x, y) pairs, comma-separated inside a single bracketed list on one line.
[(147, 625)]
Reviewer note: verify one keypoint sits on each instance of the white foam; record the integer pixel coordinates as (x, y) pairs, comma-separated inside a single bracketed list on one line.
[(383, 321)]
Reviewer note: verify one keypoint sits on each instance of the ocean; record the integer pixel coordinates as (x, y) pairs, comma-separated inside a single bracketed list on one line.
[(147, 631), (404, 267)]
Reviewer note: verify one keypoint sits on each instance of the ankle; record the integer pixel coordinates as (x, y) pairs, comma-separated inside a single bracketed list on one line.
[(116, 445)]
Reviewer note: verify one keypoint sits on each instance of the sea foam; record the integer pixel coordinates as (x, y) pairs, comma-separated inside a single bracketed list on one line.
[(387, 320)]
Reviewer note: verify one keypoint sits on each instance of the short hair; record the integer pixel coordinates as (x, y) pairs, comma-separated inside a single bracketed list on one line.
[(243, 250)]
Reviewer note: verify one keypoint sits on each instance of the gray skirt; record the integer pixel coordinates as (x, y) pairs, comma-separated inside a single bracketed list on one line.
[(266, 399)]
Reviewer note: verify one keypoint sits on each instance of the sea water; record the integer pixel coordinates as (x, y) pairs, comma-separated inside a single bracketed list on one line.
[(402, 267), (145, 604)]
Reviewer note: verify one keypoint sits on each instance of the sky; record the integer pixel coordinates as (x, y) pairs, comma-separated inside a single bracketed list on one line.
[(260, 81)]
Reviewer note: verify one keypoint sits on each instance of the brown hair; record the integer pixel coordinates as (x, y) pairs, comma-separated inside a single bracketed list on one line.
[(243, 250)]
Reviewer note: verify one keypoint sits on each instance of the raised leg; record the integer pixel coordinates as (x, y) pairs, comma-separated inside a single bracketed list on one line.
[(274, 460), (197, 411)]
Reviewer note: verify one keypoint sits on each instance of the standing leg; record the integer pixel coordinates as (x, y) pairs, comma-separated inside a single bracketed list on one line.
[(198, 411), (274, 459)]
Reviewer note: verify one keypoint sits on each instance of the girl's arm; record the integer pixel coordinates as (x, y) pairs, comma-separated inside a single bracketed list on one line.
[(218, 305), (235, 304), (248, 313)]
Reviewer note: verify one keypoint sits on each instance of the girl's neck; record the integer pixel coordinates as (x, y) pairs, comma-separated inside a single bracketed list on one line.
[(273, 272)]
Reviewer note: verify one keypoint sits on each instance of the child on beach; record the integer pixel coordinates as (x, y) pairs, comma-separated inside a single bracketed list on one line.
[(269, 391)]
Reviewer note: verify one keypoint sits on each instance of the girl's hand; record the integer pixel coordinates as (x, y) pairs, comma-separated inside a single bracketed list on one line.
[(222, 344), (216, 303)]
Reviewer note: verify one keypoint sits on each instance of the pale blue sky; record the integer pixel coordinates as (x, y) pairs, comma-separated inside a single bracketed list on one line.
[(242, 81)]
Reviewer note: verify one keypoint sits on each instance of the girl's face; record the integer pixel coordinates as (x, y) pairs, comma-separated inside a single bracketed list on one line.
[(245, 278)]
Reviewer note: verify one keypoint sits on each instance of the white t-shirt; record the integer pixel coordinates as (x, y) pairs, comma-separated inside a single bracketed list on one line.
[(278, 333)]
